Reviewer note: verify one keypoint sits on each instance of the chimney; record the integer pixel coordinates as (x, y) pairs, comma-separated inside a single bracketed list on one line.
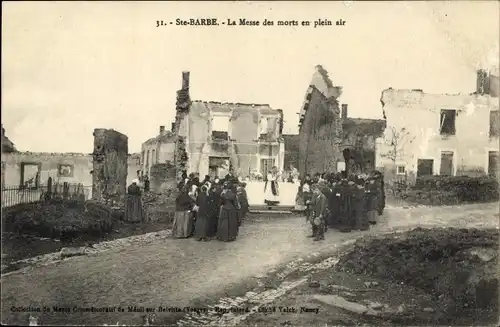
[(344, 111), (162, 130), (172, 127), (185, 80), (482, 82)]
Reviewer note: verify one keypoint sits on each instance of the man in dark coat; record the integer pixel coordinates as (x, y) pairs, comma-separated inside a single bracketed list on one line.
[(243, 200), (334, 202), (216, 190), (346, 211), (379, 181), (200, 224), (146, 183), (360, 214), (319, 207)]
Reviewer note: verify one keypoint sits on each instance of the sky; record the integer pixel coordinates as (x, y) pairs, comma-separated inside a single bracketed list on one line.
[(70, 67)]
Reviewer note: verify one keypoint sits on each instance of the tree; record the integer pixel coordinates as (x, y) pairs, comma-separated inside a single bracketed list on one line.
[(396, 140)]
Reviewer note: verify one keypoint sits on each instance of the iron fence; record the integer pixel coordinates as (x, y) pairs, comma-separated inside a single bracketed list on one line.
[(12, 195)]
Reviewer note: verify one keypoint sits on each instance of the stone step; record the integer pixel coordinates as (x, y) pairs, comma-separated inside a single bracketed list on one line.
[(270, 208), (271, 212)]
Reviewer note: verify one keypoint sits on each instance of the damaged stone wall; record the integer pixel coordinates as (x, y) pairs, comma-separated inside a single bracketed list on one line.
[(109, 174), (195, 144), (419, 113), (183, 104), (49, 167), (163, 179), (245, 124), (243, 146), (360, 137), (320, 134)]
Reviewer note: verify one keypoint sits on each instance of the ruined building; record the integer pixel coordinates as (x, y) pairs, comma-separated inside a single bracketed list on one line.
[(7, 145), (109, 173), (213, 138), (445, 134), (329, 140)]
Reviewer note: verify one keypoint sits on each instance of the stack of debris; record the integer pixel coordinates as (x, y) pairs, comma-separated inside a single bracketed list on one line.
[(65, 220), (159, 206), (456, 265)]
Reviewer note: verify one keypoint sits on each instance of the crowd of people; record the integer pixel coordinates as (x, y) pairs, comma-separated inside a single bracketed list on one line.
[(215, 208), (212, 208), (342, 202)]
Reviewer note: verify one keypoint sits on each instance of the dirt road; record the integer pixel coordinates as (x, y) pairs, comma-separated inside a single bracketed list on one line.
[(174, 272)]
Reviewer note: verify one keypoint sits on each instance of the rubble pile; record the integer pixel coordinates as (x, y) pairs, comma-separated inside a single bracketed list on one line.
[(64, 220), (457, 266), (159, 206)]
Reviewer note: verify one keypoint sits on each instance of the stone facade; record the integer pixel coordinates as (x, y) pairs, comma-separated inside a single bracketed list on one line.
[(159, 149), (319, 133), (451, 134), (50, 163), (163, 177), (109, 173), (219, 137), (326, 131), (360, 137), (292, 151)]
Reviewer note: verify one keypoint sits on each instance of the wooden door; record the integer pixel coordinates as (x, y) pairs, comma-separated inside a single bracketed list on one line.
[(425, 167), (493, 164), (446, 163)]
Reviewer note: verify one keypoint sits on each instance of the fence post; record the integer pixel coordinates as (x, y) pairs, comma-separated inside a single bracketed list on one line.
[(65, 190), (49, 189)]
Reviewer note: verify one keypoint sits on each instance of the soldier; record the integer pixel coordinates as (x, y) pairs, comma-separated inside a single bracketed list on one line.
[(319, 206)]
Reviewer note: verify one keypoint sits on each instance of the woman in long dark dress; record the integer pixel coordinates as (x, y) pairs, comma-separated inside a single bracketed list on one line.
[(243, 201), (371, 200), (133, 210), (346, 206), (227, 229), (214, 207), (183, 217), (202, 226)]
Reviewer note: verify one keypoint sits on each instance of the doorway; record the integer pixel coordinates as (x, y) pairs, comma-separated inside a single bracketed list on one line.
[(217, 167), (446, 163), (493, 164), (425, 167), (265, 166)]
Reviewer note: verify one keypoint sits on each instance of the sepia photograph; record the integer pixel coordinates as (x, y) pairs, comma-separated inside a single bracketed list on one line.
[(250, 163)]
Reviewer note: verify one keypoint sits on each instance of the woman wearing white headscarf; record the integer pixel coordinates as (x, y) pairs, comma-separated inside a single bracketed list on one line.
[(133, 209)]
